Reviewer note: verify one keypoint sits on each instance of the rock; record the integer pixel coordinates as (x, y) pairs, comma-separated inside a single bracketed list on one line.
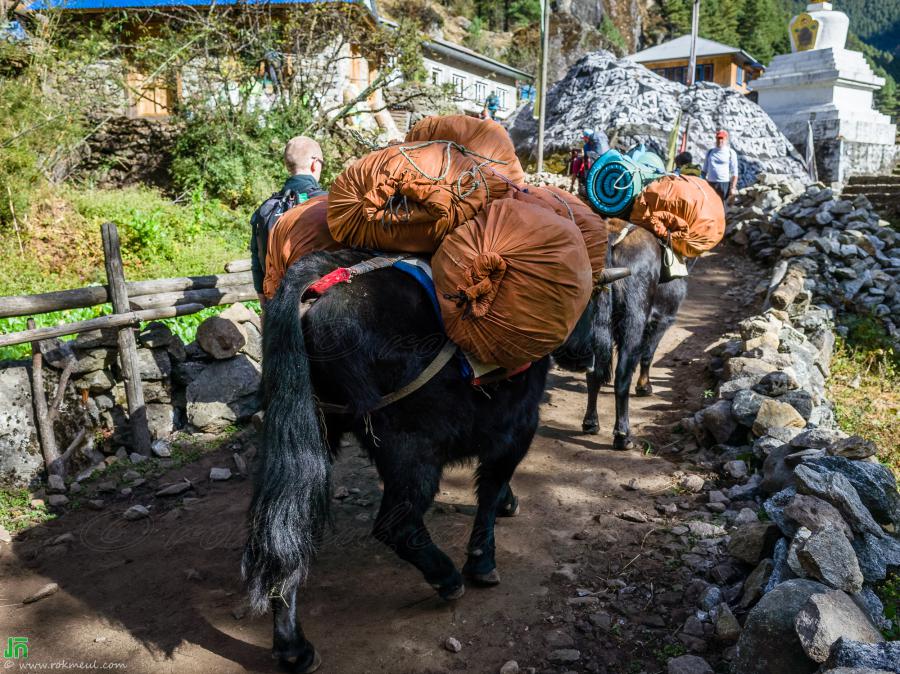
[(223, 393), (160, 448), (745, 405), (710, 598), (849, 653), (154, 364), (559, 639), (240, 463), (746, 516), (510, 667), (775, 414), (745, 367), (776, 384), (564, 655), (768, 643), (93, 339), (877, 556), (95, 382), (692, 483), (136, 512), (827, 617), (874, 484), (755, 584), (175, 488), (816, 438), (160, 420), (57, 500), (777, 475), (801, 401), (634, 516), (750, 542), (727, 626), (220, 337), (241, 313), (56, 484), (718, 421), (837, 490), (219, 474), (853, 447), (705, 529), (828, 556), (452, 644), (5, 536), (688, 664), (48, 590), (136, 458), (254, 345), (815, 514), (857, 670), (155, 336), (736, 468)]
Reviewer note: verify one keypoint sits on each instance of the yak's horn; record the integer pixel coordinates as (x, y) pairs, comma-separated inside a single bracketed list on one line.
[(611, 274)]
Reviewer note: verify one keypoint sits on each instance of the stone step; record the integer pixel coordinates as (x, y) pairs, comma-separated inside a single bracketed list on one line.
[(875, 180), (868, 190)]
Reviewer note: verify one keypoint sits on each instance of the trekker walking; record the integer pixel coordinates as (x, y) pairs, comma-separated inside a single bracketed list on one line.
[(492, 104), (304, 161), (575, 169), (721, 167)]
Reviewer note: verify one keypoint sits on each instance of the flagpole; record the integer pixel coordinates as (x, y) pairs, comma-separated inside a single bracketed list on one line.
[(692, 63), (542, 91)]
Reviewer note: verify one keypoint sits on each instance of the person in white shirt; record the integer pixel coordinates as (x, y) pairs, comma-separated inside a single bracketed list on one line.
[(721, 167)]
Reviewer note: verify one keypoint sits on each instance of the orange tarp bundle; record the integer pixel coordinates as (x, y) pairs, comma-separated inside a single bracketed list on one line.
[(593, 227), (300, 231), (407, 198), (512, 282), (483, 136), (686, 207)]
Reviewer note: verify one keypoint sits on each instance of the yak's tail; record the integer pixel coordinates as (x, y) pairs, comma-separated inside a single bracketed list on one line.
[(292, 484), (603, 335)]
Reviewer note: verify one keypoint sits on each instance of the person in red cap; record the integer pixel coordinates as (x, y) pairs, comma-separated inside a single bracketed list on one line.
[(721, 167)]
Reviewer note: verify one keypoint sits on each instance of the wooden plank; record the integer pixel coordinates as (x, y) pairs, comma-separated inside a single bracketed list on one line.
[(111, 321), (237, 266), (26, 305), (49, 449), (131, 373), (208, 296)]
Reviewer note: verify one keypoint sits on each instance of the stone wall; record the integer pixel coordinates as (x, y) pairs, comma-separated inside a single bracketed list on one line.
[(829, 533), (204, 386)]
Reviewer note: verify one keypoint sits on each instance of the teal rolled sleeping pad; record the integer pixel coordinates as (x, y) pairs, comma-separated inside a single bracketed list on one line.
[(616, 179)]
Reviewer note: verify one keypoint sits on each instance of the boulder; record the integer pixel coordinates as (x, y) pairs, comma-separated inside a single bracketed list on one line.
[(755, 585), (769, 643), (774, 507), (220, 337), (815, 514), (160, 420), (154, 364), (745, 367), (828, 556), (816, 438), (776, 384), (223, 393), (254, 345), (800, 400), (744, 406), (21, 460), (825, 618), (751, 542), (853, 447), (837, 490), (775, 414), (718, 421), (881, 656), (877, 556), (241, 313), (688, 664), (873, 482), (777, 474)]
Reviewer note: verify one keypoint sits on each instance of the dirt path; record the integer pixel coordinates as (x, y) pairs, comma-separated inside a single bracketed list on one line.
[(160, 594)]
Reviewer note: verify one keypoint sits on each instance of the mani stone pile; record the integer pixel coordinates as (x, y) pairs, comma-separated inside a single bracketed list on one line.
[(204, 386), (829, 532), (839, 250)]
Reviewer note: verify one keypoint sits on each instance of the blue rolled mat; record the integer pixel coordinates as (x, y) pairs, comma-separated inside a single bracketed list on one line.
[(616, 179)]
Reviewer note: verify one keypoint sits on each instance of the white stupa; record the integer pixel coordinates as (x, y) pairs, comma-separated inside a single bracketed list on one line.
[(822, 82)]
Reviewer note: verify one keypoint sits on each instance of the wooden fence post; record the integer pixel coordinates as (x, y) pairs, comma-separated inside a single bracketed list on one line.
[(131, 372), (41, 416)]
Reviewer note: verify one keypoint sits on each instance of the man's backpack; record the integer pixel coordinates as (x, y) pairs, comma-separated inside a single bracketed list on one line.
[(265, 217)]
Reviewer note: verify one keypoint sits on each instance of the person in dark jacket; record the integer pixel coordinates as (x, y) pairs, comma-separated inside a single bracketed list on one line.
[(304, 161), (685, 166)]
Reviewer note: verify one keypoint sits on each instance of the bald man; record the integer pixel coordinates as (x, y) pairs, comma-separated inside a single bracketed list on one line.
[(303, 160)]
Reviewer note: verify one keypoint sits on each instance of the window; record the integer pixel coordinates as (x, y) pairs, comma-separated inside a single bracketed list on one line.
[(149, 98), (459, 84), (436, 75), (501, 95), (479, 92), (705, 72), (740, 76)]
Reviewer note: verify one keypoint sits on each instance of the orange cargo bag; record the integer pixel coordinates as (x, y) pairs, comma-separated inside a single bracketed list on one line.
[(408, 197), (687, 207), (594, 228), (299, 231), (512, 282), (483, 136)]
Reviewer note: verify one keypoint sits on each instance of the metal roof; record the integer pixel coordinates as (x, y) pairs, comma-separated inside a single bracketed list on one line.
[(144, 4), (680, 48), (466, 55)]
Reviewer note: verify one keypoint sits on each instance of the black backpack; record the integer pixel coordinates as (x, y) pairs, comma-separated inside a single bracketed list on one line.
[(265, 217)]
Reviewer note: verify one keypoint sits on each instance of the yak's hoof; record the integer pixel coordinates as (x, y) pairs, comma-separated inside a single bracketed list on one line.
[(590, 427), (622, 442), (509, 509), (484, 579), (643, 391), (301, 665), (453, 593)]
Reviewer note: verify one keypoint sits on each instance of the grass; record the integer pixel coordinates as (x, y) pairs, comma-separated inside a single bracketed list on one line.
[(865, 387), (160, 239), (889, 593), (17, 511)]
